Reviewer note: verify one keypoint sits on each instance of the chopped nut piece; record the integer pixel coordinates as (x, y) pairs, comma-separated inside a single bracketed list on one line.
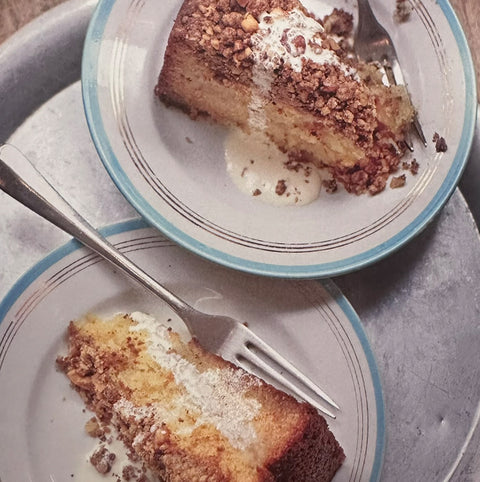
[(92, 427), (300, 44), (398, 181), (293, 165), (249, 23), (403, 9), (102, 460), (129, 472), (414, 166), (257, 192), (338, 22), (330, 185), (281, 187), (440, 143), (232, 19)]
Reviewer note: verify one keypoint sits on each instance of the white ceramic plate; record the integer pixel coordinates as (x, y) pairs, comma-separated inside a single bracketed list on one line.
[(172, 169), (308, 321)]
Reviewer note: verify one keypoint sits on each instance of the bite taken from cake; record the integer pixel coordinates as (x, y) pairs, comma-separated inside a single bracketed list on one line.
[(272, 68)]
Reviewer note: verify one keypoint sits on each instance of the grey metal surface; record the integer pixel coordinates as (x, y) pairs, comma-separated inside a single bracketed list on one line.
[(229, 338), (420, 307), (56, 68)]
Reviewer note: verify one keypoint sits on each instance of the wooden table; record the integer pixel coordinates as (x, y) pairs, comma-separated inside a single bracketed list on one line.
[(468, 12), (15, 13)]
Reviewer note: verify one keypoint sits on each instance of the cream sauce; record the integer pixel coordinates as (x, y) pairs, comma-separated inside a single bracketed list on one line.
[(259, 169)]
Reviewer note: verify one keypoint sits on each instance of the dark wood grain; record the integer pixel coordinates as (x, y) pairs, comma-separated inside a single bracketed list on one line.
[(468, 12)]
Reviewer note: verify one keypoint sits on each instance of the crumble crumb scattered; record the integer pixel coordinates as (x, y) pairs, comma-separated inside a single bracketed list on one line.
[(93, 428), (338, 23), (129, 472), (296, 165), (403, 10), (330, 185), (281, 187), (224, 36), (412, 166), (293, 165), (440, 143), (102, 459), (398, 181), (257, 192)]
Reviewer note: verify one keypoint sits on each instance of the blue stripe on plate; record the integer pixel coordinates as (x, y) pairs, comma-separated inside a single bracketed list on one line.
[(135, 224), (97, 130), (38, 269), (351, 314)]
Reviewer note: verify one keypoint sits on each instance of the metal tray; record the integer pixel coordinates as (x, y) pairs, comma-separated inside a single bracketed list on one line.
[(420, 307)]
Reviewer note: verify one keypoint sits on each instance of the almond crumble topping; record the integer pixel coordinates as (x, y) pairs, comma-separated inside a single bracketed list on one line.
[(291, 65)]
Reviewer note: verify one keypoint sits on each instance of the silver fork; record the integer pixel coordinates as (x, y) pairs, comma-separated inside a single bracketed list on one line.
[(373, 43), (220, 334)]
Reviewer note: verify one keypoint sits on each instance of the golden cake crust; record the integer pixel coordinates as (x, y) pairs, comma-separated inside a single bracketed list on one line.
[(209, 69), (220, 34), (109, 365)]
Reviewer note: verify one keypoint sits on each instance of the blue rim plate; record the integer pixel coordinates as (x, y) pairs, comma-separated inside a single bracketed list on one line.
[(310, 322), (171, 168)]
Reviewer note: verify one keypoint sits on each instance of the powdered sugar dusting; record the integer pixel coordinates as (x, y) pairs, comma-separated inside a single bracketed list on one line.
[(217, 394), (258, 168), (292, 38), (128, 409)]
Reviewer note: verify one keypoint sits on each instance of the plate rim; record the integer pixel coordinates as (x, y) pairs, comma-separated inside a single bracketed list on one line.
[(346, 265), (123, 227)]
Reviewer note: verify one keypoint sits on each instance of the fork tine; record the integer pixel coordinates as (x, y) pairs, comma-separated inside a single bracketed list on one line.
[(418, 129), (289, 367), (256, 343), (373, 42), (399, 79), (408, 141), (20, 180), (266, 368)]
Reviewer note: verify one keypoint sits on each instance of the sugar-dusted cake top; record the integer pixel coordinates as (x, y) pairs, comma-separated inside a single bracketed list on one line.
[(187, 414), (294, 38), (225, 28), (217, 395)]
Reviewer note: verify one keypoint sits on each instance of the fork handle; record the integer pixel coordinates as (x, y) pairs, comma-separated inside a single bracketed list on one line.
[(365, 10), (20, 180)]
